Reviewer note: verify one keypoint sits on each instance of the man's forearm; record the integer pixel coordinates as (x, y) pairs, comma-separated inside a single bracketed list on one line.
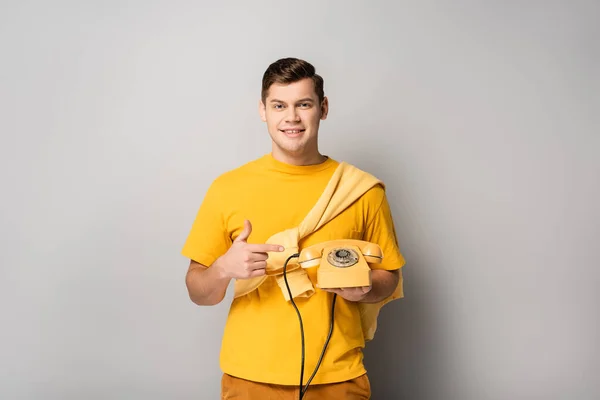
[(206, 286), (383, 284)]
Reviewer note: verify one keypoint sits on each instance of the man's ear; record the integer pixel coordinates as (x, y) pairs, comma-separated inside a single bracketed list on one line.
[(262, 111), (324, 108)]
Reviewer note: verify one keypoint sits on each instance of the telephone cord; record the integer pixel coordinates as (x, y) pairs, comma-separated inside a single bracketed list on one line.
[(303, 388)]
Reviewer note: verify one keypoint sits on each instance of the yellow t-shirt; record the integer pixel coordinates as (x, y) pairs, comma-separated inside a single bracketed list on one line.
[(261, 340)]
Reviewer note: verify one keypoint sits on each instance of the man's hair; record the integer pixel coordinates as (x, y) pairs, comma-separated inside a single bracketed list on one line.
[(290, 70)]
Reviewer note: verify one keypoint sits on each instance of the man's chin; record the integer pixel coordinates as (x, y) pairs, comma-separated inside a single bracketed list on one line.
[(292, 148), (293, 151)]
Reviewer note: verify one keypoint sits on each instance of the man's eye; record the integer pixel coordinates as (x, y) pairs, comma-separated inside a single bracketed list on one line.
[(305, 105), (278, 106)]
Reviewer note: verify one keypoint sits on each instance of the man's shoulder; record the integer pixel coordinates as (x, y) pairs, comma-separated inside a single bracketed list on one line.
[(236, 174), (373, 197), (377, 191), (356, 167)]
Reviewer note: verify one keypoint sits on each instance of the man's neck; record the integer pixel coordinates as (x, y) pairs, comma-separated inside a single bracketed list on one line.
[(300, 159)]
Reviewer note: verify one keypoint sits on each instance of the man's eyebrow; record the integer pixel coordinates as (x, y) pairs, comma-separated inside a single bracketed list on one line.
[(298, 101)]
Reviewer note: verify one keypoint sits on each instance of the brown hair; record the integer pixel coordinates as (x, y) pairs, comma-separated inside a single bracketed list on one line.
[(290, 70)]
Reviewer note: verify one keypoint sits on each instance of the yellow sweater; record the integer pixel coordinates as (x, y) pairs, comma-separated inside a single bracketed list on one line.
[(347, 184)]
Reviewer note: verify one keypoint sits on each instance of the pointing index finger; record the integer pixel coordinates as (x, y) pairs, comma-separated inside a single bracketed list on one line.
[(263, 248)]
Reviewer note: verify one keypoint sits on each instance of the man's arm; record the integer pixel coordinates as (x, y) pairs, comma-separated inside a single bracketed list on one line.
[(383, 284), (206, 286), (386, 276)]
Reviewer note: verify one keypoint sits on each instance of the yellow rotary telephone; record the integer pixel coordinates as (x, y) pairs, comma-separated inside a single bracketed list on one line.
[(342, 263)]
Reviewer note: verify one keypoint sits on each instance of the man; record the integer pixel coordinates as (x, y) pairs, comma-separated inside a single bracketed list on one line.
[(242, 209)]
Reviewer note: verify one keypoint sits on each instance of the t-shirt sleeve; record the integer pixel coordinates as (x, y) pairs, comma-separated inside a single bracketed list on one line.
[(380, 229), (208, 238)]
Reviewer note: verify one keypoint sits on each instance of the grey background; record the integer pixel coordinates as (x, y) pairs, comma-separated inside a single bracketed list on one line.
[(481, 117)]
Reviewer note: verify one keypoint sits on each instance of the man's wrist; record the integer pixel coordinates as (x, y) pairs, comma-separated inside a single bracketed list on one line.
[(220, 269), (371, 297), (383, 284)]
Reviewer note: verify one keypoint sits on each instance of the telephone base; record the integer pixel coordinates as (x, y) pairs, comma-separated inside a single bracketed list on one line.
[(343, 278)]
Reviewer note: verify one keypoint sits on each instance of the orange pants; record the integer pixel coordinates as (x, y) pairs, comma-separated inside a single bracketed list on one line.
[(240, 389)]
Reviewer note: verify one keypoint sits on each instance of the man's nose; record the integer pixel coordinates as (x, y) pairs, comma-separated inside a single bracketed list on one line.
[(292, 114)]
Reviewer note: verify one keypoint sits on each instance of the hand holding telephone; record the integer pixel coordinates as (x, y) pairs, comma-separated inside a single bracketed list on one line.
[(342, 263)]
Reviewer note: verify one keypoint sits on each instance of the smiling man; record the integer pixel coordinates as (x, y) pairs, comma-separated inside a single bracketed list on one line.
[(230, 240), (293, 106)]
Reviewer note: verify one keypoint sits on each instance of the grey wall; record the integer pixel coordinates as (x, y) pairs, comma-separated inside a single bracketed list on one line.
[(482, 118)]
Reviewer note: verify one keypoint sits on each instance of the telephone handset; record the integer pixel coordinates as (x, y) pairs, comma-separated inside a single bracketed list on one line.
[(342, 263)]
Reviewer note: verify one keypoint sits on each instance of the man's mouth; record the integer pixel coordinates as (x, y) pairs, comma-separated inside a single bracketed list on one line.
[(292, 132)]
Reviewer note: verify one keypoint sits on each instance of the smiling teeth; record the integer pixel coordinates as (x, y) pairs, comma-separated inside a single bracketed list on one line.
[(295, 131)]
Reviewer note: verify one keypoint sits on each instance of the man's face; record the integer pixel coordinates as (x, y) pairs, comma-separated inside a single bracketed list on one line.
[(293, 113)]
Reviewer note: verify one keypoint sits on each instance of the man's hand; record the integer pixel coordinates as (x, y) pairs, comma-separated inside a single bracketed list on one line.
[(383, 284), (352, 293), (244, 260)]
